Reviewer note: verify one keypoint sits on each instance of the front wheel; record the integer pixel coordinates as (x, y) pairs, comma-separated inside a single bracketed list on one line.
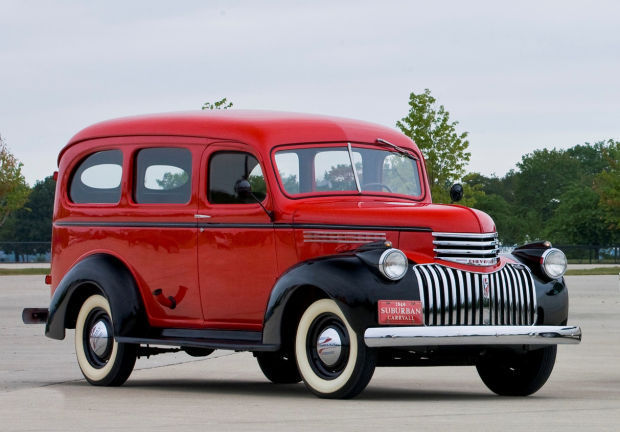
[(514, 374), (332, 359), (103, 361)]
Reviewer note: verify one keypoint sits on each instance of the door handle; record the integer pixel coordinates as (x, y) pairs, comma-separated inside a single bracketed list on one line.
[(201, 216)]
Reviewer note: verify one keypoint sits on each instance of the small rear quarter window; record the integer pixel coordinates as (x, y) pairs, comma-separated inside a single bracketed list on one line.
[(97, 179)]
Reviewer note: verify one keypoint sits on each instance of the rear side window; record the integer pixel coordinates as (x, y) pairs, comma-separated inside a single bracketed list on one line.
[(163, 176), (97, 179)]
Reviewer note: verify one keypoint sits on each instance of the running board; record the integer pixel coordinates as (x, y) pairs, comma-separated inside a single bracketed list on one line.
[(199, 338)]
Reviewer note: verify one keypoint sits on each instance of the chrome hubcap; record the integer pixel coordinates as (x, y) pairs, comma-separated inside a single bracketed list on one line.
[(99, 338), (329, 346)]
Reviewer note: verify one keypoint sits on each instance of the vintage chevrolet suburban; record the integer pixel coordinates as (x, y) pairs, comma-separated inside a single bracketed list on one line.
[(310, 241)]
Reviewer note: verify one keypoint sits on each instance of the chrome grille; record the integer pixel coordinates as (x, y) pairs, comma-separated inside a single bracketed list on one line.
[(454, 297), (466, 248)]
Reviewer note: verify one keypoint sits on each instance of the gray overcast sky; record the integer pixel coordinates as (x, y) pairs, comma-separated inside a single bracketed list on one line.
[(518, 76)]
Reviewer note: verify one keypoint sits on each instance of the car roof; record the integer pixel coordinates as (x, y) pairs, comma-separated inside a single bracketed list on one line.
[(261, 128)]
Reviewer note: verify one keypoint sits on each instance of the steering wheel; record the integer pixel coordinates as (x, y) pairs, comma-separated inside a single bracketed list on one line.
[(381, 186)]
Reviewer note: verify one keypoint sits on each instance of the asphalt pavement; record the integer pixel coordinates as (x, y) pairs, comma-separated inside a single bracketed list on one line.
[(41, 387)]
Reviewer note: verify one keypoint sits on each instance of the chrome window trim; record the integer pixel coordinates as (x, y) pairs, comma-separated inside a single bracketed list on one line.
[(357, 180)]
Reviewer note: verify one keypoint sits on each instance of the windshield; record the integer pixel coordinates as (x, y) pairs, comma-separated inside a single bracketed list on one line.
[(331, 169)]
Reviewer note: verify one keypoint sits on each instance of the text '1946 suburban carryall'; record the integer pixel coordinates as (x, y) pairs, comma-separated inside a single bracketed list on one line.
[(310, 241)]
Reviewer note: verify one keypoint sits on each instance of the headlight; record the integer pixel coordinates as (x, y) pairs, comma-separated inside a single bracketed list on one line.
[(393, 264), (553, 263)]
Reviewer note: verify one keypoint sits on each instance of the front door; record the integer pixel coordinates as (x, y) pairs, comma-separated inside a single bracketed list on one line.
[(236, 241)]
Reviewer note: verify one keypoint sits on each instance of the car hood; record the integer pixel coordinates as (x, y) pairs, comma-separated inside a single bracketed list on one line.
[(397, 214)]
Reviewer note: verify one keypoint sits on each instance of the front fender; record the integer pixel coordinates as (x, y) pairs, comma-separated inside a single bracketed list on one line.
[(551, 294), (350, 280), (106, 275)]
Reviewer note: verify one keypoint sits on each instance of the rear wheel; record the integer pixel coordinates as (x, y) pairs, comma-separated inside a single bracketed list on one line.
[(333, 360), (102, 360), (513, 374), (278, 367)]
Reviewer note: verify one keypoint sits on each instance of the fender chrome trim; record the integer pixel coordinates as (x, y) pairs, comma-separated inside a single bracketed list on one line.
[(378, 337)]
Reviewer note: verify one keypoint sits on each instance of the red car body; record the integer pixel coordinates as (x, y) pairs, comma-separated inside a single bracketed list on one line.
[(232, 267)]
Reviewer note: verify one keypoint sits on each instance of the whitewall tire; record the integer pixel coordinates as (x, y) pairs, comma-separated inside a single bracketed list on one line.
[(332, 360), (102, 360)]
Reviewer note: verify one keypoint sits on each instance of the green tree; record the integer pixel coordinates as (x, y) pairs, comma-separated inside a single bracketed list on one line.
[(567, 196), (217, 105), (171, 181), (13, 188), (607, 186), (444, 149), (579, 219), (542, 177), (481, 193), (32, 222), (338, 178)]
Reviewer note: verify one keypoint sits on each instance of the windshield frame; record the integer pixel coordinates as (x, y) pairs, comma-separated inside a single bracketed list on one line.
[(344, 145)]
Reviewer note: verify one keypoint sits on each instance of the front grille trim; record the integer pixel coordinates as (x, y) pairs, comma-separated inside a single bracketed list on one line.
[(467, 248), (452, 296)]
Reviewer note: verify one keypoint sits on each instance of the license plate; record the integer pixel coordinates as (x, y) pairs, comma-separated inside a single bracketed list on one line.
[(400, 312)]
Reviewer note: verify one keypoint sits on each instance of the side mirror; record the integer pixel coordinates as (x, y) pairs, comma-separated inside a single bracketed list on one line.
[(243, 188), (456, 192)]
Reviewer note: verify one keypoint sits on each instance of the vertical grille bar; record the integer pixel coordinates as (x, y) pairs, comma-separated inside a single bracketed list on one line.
[(455, 297), (505, 310), (440, 299), (479, 297), (528, 301), (432, 320), (454, 305), (519, 288), (464, 298), (511, 304), (534, 313), (423, 296), (447, 312), (470, 300), (515, 292), (496, 298), (486, 298)]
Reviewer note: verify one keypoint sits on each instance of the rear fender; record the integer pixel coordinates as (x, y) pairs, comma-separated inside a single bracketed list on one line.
[(102, 274)]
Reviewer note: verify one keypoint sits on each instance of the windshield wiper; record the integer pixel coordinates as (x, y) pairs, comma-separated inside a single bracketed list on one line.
[(398, 149)]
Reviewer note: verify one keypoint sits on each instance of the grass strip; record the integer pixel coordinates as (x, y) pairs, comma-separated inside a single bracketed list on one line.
[(24, 271), (594, 271)]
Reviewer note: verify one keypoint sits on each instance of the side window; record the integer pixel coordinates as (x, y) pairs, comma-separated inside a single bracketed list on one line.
[(228, 168), (163, 176), (97, 179)]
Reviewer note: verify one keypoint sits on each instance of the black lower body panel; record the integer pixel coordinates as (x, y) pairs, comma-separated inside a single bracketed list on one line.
[(203, 338)]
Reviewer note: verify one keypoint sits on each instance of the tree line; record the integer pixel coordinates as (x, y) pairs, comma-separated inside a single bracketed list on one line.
[(567, 196)]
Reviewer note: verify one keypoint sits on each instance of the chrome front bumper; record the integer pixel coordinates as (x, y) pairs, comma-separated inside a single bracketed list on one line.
[(378, 337)]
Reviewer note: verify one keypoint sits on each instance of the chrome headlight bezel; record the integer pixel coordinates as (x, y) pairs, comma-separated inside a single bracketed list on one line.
[(553, 263), (393, 264)]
